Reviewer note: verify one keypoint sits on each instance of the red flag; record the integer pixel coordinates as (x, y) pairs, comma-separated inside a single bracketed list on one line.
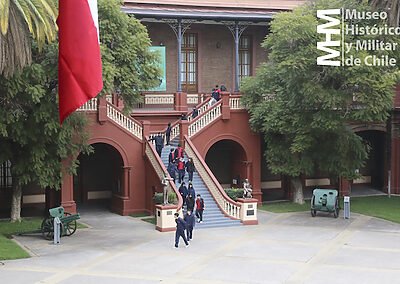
[(79, 60)]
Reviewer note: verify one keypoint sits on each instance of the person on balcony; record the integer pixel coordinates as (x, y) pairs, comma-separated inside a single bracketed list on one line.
[(168, 134), (190, 169), (159, 141)]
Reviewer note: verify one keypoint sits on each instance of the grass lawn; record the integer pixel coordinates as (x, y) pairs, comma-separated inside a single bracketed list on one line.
[(376, 206), (139, 214), (151, 220)]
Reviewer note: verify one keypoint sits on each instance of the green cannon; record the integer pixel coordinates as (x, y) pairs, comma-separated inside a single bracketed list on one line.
[(325, 200), (68, 223)]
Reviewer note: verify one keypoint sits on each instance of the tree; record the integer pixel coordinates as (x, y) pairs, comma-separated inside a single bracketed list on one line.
[(30, 134), (392, 7), (129, 67), (304, 110), (19, 19)]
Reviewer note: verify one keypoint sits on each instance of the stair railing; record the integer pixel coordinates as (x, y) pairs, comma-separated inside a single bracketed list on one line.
[(201, 108), (235, 102), (126, 122), (225, 203), (160, 169), (211, 114), (90, 105)]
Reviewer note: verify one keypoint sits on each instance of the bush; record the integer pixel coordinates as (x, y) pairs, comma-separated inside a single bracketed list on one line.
[(159, 198), (234, 193)]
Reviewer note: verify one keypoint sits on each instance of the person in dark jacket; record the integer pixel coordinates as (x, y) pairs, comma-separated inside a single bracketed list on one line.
[(181, 169), (190, 223), (195, 112), (191, 190), (159, 141), (190, 202), (199, 208), (172, 171), (171, 157), (184, 192), (190, 169), (168, 133), (180, 230)]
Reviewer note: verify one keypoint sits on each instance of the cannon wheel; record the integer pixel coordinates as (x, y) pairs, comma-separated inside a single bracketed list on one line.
[(336, 212), (313, 211), (47, 228), (69, 228)]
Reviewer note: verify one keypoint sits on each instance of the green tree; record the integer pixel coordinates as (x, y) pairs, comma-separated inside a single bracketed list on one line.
[(303, 110), (392, 7), (129, 67), (19, 19)]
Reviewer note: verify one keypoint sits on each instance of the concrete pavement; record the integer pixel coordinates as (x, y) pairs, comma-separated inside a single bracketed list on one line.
[(284, 248)]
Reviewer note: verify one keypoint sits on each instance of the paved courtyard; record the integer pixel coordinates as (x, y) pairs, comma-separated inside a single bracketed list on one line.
[(284, 248)]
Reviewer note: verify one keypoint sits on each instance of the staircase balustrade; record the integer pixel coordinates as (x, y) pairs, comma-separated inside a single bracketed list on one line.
[(124, 121), (200, 108), (211, 114), (227, 205), (235, 102), (162, 99), (90, 105), (160, 169)]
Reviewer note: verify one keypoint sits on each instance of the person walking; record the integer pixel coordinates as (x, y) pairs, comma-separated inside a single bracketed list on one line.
[(195, 112), (191, 190), (184, 192), (190, 169), (159, 141), (181, 169), (168, 134), (180, 230), (190, 202), (199, 208), (171, 156), (190, 223), (179, 152), (172, 171)]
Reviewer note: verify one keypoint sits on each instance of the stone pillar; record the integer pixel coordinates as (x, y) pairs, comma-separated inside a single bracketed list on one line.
[(102, 112), (248, 211), (127, 182), (165, 221), (180, 102), (236, 38), (226, 110), (344, 187), (67, 191), (183, 130)]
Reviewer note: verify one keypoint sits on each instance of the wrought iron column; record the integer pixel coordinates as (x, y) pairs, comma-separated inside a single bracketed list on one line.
[(179, 27), (236, 30)]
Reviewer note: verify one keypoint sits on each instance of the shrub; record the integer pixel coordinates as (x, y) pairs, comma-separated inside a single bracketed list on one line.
[(234, 193), (159, 198)]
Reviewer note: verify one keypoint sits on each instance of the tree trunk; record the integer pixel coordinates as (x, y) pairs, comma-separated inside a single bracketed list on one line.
[(298, 190), (16, 203)]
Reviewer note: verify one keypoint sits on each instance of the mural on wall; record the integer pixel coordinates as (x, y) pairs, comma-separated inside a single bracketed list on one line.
[(163, 80)]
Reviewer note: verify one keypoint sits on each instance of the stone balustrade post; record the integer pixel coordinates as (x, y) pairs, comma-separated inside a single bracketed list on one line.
[(226, 110), (248, 211), (165, 221), (102, 112), (67, 189), (344, 187), (180, 102)]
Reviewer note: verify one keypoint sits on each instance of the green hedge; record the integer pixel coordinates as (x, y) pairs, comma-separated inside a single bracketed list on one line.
[(234, 193), (159, 198)]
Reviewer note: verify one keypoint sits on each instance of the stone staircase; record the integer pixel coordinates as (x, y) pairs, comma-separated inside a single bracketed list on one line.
[(212, 215)]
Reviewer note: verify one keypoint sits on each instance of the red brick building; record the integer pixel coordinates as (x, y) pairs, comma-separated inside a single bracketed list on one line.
[(202, 45)]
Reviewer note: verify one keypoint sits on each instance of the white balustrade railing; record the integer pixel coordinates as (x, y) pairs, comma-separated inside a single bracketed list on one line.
[(161, 99), (205, 118), (228, 206), (235, 103), (192, 99), (124, 121), (174, 131), (90, 105), (109, 98)]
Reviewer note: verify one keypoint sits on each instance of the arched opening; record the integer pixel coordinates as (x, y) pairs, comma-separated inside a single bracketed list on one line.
[(373, 172), (228, 162), (99, 176)]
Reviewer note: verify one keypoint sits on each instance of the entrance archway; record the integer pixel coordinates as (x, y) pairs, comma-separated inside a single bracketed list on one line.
[(228, 162), (373, 172), (99, 176)]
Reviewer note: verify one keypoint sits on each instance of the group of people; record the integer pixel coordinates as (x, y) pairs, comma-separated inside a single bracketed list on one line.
[(177, 166), (216, 94), (188, 222)]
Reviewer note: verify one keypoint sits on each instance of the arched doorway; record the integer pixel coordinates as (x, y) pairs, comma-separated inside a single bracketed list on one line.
[(374, 171), (99, 176), (228, 162)]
